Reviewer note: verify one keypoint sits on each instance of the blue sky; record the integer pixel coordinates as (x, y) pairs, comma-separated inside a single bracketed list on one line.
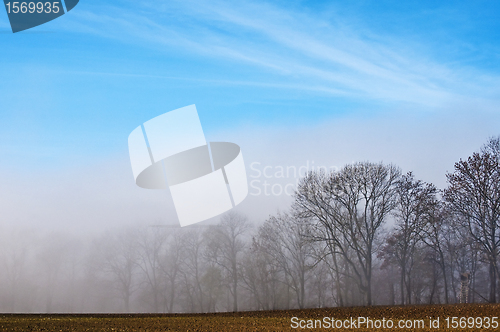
[(83, 81), (268, 74)]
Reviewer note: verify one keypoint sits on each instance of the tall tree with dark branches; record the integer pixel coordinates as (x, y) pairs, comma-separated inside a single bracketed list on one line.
[(474, 194), (414, 202), (351, 206)]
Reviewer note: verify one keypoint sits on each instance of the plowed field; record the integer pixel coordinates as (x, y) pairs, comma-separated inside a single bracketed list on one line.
[(478, 317)]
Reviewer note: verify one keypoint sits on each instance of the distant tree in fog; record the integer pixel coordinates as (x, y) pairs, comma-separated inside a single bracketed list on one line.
[(192, 270), (53, 256), (16, 249), (151, 244), (261, 276), (119, 252), (170, 264), (225, 244), (285, 239)]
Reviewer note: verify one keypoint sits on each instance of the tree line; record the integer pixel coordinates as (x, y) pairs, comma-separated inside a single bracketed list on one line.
[(366, 234)]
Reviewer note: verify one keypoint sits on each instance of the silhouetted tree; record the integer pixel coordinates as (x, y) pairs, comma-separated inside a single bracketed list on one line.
[(474, 194), (414, 202), (351, 206)]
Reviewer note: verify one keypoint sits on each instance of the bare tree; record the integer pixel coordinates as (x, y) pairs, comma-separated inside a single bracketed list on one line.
[(192, 269), (262, 277), (151, 243), (120, 262), (415, 200), (16, 249), (53, 256), (474, 194), (285, 239), (351, 206), (170, 261), (212, 285), (436, 234), (225, 244), (492, 147)]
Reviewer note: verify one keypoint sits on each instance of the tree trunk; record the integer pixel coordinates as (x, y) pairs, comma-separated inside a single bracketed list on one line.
[(127, 302), (369, 291), (493, 282), (402, 287), (445, 279), (235, 294)]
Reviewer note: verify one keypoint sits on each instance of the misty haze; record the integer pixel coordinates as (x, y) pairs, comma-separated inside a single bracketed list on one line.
[(364, 234)]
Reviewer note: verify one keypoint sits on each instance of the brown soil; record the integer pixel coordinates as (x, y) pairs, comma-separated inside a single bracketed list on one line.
[(261, 320)]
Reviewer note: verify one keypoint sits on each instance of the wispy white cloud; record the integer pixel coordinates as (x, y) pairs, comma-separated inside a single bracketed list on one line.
[(220, 82), (296, 47)]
